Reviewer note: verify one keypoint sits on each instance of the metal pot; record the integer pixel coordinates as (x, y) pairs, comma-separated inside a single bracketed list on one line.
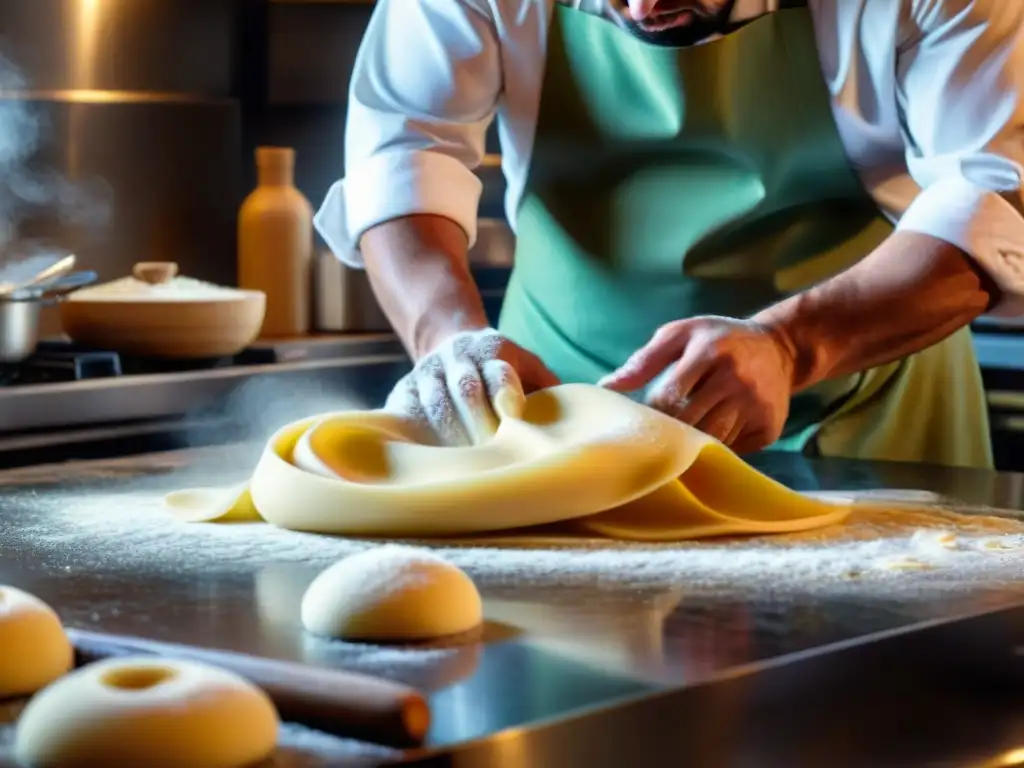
[(19, 314), (19, 328)]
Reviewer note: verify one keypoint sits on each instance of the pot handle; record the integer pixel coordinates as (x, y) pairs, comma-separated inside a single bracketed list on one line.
[(61, 287), (50, 292)]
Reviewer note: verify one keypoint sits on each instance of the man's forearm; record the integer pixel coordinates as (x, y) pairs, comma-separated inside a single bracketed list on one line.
[(910, 293), (419, 270)]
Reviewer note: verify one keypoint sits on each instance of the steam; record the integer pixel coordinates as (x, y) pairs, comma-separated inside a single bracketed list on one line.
[(28, 190)]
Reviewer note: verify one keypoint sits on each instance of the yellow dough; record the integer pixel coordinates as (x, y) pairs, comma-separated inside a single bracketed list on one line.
[(157, 713), (391, 593), (34, 650), (578, 455)]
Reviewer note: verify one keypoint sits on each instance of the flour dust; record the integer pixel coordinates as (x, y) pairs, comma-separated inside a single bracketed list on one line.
[(884, 545)]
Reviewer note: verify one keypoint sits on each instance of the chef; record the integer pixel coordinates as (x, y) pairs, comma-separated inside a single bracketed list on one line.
[(771, 219)]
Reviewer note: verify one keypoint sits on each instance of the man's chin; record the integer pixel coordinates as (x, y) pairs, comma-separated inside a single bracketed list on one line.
[(673, 36), (681, 29), (666, 23)]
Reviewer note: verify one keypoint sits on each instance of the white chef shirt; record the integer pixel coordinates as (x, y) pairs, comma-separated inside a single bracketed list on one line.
[(928, 97)]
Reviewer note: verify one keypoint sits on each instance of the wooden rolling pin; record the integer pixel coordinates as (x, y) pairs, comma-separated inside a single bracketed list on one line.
[(337, 702)]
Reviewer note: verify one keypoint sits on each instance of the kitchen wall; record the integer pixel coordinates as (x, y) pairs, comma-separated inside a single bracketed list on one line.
[(307, 57), (138, 120), (297, 61), (120, 131)]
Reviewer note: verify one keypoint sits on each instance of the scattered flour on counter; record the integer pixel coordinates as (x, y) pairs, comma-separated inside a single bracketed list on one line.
[(921, 548)]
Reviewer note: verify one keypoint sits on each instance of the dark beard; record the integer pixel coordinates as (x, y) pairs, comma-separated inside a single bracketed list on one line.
[(699, 28)]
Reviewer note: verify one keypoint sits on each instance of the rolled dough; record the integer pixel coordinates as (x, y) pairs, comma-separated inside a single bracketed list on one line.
[(158, 713), (391, 593), (34, 650), (590, 460)]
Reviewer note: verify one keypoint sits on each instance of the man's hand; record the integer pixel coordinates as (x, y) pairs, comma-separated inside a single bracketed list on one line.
[(731, 379), (454, 391)]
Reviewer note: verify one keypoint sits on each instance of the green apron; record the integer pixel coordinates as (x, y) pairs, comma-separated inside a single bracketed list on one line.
[(667, 183)]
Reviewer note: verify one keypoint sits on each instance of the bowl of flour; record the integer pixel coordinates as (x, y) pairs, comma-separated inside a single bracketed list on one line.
[(155, 312)]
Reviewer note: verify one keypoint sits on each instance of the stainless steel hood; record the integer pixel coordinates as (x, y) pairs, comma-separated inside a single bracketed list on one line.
[(141, 46), (137, 124)]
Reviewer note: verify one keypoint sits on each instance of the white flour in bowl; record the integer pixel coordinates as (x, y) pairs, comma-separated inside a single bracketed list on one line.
[(176, 289)]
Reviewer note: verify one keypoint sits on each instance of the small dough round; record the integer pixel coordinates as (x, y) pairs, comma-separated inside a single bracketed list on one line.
[(391, 593), (35, 649), (147, 711)]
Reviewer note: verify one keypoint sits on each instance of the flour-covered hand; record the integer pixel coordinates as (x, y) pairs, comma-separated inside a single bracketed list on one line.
[(731, 379), (456, 391)]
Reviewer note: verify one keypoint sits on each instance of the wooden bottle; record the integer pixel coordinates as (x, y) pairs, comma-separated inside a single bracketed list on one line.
[(275, 244)]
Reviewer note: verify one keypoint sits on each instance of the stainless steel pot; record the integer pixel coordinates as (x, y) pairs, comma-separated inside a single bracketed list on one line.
[(19, 314), (19, 328)]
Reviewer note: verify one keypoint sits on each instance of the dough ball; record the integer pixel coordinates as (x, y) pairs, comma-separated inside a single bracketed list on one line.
[(158, 713), (34, 650), (391, 594)]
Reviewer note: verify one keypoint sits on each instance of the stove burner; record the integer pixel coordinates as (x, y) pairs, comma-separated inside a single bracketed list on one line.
[(62, 361), (133, 366), (72, 366), (57, 362)]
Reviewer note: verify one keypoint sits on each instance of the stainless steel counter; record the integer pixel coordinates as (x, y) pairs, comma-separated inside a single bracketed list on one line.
[(561, 648)]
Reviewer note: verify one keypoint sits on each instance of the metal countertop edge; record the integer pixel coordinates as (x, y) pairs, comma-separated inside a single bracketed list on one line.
[(126, 398), (231, 373)]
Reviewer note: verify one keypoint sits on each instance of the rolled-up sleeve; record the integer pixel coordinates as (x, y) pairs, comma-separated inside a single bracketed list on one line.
[(424, 90), (961, 94)]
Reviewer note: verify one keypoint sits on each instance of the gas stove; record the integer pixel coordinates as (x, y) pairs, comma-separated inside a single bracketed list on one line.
[(57, 360), (70, 401)]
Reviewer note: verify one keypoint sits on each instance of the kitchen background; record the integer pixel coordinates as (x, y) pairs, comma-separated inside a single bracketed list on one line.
[(152, 110), (128, 127)]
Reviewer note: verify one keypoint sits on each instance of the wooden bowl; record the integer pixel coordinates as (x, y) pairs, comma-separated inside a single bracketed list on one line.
[(165, 325)]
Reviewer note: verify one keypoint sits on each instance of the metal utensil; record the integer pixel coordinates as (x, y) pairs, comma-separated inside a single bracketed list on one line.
[(19, 313), (61, 267), (58, 287), (19, 329)]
